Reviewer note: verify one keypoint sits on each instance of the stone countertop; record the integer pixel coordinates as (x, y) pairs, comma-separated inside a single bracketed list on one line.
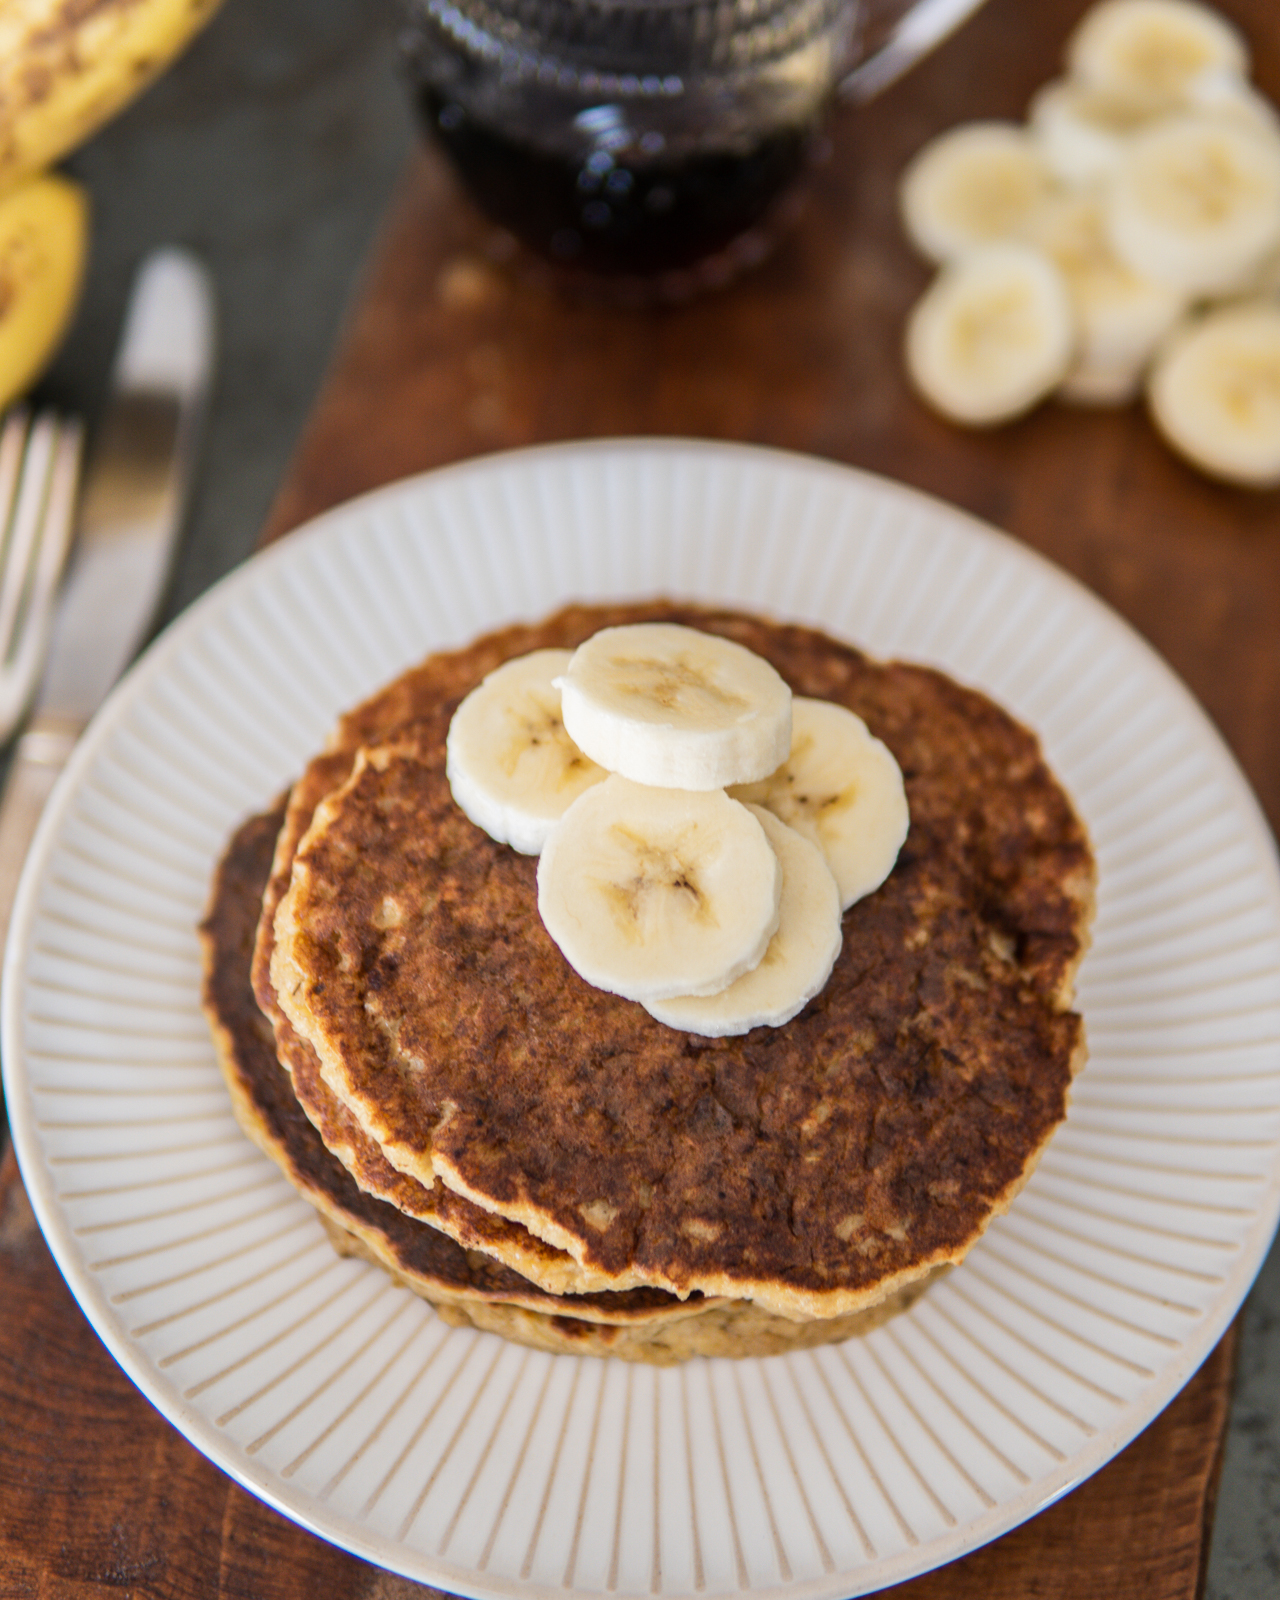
[(272, 148)]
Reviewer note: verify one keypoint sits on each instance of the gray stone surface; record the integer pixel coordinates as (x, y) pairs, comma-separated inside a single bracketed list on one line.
[(1244, 1560), (272, 148)]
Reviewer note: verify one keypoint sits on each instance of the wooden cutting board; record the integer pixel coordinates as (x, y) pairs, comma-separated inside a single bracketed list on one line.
[(456, 346)]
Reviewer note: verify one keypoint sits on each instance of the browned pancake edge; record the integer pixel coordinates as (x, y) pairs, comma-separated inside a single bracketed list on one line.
[(464, 1289), (429, 1260), (813, 1168)]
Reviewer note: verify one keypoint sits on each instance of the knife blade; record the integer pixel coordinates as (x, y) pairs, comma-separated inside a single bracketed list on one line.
[(135, 490)]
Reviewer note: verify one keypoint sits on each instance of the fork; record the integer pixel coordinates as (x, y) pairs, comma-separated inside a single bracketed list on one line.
[(39, 474)]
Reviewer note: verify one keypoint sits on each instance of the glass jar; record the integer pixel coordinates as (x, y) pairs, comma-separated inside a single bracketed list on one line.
[(637, 138)]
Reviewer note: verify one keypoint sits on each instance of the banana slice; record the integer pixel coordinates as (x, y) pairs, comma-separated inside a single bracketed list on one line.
[(512, 767), (1082, 131), (1214, 392), (798, 961), (676, 708), (973, 186), (651, 892), (1120, 316), (1229, 96), (842, 789), (993, 334), (1195, 201), (44, 226), (1154, 53), (1263, 280)]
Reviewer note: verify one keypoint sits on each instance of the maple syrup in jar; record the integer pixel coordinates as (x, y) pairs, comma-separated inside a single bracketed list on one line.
[(628, 138), (617, 211)]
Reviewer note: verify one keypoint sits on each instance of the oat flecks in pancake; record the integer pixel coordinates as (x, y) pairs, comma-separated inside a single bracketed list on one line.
[(813, 1168), (471, 1225), (465, 1287), (426, 1258), (468, 1224)]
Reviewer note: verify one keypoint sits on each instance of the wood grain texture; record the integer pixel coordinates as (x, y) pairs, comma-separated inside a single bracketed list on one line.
[(457, 346), (100, 1496)]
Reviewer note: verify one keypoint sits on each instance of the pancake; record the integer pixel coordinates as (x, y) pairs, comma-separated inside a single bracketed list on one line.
[(469, 1224), (813, 1169), (466, 1287), (269, 1112)]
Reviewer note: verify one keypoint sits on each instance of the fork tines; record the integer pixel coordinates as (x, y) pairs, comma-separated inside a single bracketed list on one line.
[(39, 471)]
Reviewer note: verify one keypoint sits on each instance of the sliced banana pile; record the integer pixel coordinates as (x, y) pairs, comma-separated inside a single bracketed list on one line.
[(1121, 239), (699, 831)]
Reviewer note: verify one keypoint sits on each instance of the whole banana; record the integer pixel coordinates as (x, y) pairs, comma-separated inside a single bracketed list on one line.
[(66, 66)]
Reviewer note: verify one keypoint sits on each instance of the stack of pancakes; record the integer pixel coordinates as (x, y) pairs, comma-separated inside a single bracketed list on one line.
[(542, 1159)]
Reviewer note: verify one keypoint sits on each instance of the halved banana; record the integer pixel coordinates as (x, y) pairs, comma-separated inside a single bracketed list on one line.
[(676, 708), (1195, 201), (44, 226), (651, 892), (1214, 392), (1120, 316), (1154, 53), (798, 960), (842, 789), (993, 334), (974, 185), (512, 767)]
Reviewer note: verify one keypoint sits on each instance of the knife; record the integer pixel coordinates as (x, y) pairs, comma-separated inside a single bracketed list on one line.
[(135, 491)]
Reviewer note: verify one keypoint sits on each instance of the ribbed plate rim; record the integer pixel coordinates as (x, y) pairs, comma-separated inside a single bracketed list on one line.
[(293, 1502)]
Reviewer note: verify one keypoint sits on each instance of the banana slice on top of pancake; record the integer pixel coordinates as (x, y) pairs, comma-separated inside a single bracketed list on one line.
[(842, 789), (676, 708), (799, 957), (512, 767), (654, 882), (652, 892)]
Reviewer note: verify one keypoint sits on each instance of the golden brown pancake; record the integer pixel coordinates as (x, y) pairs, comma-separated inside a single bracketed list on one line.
[(469, 1224), (269, 1111), (812, 1168), (466, 1287)]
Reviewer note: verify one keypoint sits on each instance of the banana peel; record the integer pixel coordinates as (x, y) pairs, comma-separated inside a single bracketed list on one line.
[(44, 233), (67, 66)]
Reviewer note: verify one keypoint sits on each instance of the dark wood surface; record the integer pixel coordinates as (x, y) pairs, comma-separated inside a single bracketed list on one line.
[(456, 347), (100, 1497), (454, 350)]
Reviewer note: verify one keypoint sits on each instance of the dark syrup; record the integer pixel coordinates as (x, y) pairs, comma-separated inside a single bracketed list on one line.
[(620, 213)]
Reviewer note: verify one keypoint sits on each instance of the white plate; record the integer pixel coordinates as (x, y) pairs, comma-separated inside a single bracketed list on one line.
[(484, 1468)]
